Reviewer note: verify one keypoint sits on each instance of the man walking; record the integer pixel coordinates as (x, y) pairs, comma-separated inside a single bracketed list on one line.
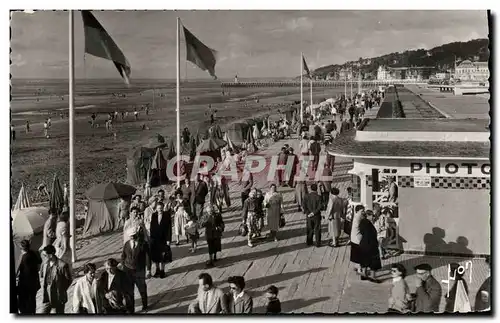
[(161, 236), (200, 194), (28, 281), (312, 210), (112, 290), (210, 299), (134, 259), (428, 294), (56, 279)]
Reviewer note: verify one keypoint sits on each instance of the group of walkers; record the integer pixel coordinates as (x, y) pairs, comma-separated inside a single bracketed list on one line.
[(150, 226)]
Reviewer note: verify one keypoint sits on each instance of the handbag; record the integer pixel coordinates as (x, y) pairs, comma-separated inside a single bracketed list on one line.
[(282, 220), (243, 230), (168, 254)]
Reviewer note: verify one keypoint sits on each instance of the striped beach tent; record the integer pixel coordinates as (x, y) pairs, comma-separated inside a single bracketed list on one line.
[(23, 201)]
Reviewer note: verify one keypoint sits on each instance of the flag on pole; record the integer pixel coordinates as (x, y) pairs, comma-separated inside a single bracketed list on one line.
[(100, 44), (306, 69), (200, 54)]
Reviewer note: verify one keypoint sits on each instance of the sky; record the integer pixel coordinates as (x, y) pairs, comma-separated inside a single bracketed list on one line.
[(250, 44)]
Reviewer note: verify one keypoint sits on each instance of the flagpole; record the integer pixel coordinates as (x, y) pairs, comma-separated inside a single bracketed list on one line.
[(178, 93), (301, 90), (351, 83), (311, 89), (71, 137)]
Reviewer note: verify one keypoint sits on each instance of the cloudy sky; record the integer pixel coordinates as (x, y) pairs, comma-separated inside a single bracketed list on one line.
[(250, 43)]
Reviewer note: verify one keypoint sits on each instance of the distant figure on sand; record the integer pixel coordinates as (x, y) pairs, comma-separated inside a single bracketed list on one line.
[(136, 114), (27, 126), (46, 129)]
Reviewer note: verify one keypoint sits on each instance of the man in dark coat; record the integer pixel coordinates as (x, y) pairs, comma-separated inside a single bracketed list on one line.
[(200, 194), (428, 294), (312, 209), (293, 173), (161, 236), (282, 159), (28, 279), (55, 276), (134, 259), (112, 290)]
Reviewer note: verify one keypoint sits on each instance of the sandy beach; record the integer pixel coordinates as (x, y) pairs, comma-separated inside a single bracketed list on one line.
[(100, 156)]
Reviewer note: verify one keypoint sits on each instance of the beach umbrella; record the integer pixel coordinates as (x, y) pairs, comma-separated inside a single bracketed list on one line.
[(56, 201), (28, 222), (192, 147), (228, 140), (158, 161), (109, 191), (23, 201), (210, 144), (256, 132), (172, 152)]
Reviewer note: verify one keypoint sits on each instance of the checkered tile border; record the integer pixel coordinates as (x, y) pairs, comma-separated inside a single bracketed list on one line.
[(461, 183), (405, 181)]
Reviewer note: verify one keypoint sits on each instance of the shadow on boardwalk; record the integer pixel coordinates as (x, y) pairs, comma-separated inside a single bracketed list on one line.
[(188, 293)]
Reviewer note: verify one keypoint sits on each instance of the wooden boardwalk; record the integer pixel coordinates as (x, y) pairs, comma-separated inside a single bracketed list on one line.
[(310, 279)]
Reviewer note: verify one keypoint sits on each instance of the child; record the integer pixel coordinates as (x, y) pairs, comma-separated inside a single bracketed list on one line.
[(181, 218), (192, 233), (273, 303)]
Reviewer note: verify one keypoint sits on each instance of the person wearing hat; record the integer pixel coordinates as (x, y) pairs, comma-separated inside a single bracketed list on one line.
[(134, 258), (293, 171), (55, 277), (428, 293), (28, 282), (282, 161)]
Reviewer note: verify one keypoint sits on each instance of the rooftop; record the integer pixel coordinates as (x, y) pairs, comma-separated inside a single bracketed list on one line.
[(345, 145), (428, 125)]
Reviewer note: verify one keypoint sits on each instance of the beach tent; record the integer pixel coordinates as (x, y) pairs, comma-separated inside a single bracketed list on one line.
[(214, 131), (158, 174), (28, 222), (237, 132), (138, 164), (56, 199), (23, 201), (103, 207), (229, 142)]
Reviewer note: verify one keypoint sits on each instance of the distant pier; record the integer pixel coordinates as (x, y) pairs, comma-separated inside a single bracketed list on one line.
[(267, 84)]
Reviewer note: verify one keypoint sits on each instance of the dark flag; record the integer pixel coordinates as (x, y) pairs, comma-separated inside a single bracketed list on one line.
[(100, 44), (199, 54), (308, 72)]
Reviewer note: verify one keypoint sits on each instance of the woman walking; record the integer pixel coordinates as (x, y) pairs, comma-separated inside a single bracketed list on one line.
[(273, 201), (181, 218), (370, 259), (249, 216), (214, 227)]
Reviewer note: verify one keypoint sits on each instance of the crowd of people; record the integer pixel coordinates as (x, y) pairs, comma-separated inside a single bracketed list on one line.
[(152, 224)]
